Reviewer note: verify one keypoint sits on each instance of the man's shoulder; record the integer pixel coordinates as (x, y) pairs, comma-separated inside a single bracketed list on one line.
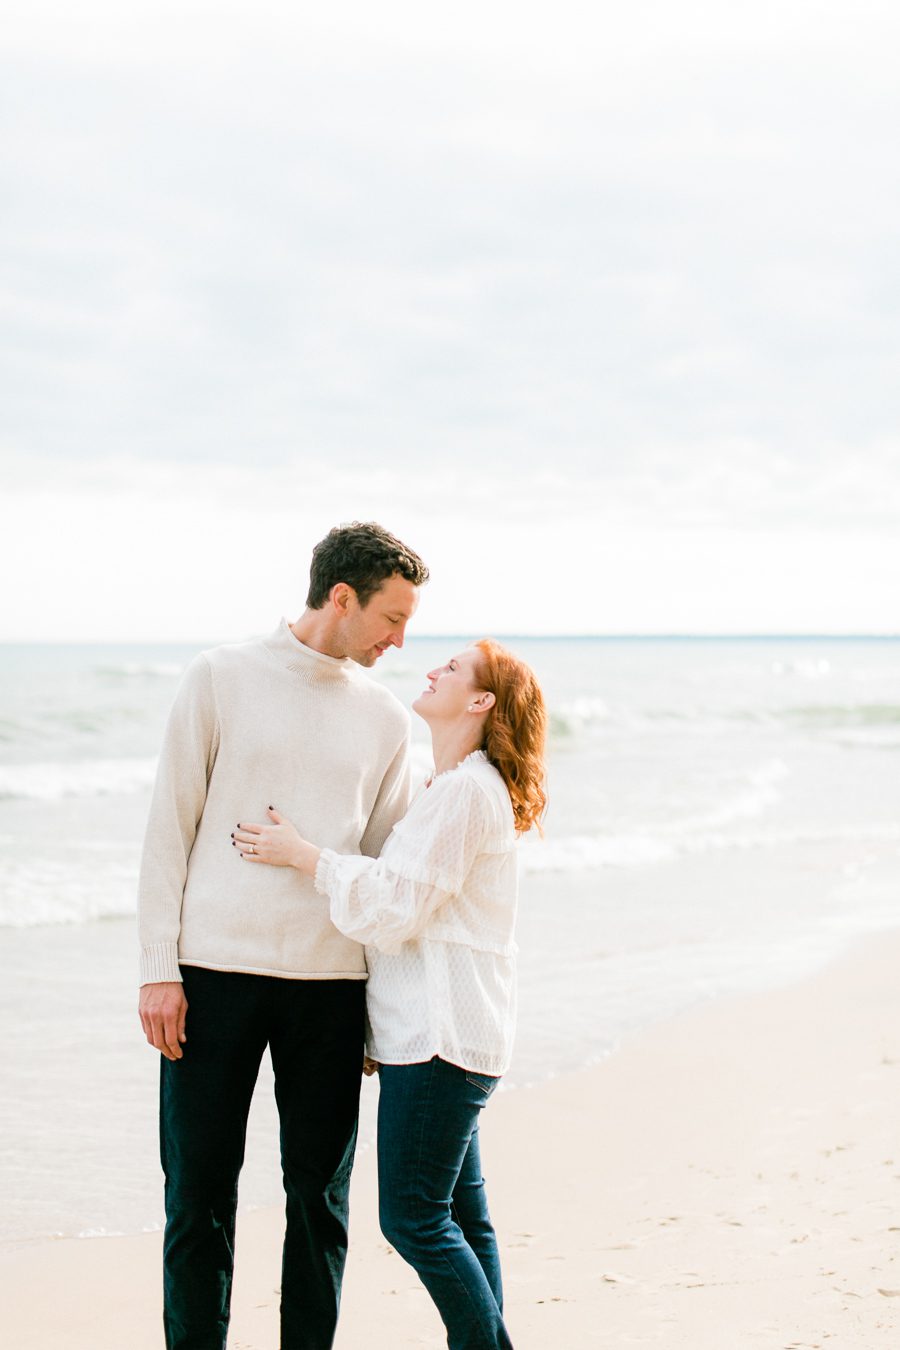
[(382, 700), (217, 669), (233, 655)]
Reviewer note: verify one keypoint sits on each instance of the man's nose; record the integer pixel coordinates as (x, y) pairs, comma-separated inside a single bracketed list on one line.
[(397, 638)]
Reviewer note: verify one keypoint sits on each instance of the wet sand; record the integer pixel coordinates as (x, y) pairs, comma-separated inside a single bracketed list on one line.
[(729, 1178)]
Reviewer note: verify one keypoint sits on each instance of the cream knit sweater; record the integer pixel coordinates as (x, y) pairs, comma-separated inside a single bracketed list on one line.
[(265, 722)]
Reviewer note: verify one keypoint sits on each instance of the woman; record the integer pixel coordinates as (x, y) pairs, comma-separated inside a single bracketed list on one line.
[(437, 912)]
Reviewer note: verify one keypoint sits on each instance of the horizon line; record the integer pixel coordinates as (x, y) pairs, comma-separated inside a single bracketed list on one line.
[(782, 636)]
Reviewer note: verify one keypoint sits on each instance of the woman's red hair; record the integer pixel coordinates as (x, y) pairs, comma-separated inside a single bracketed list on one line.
[(515, 730)]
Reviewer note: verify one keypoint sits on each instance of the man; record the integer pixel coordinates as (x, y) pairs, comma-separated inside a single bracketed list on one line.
[(235, 957)]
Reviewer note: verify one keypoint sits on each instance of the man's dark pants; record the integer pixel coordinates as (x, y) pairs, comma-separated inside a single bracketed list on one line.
[(315, 1030)]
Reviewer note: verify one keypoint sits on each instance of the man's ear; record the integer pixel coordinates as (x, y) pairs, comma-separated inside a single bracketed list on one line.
[(340, 597)]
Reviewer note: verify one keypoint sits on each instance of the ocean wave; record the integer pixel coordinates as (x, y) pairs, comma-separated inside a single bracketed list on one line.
[(130, 670), (53, 781), (752, 798), (594, 853), (41, 892), (810, 668), (578, 715), (397, 670), (855, 726), (586, 714), (585, 853), (881, 675), (748, 801), (69, 724), (832, 715), (868, 738)]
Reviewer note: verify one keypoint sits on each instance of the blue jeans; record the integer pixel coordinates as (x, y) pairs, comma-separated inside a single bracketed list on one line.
[(314, 1031), (432, 1199)]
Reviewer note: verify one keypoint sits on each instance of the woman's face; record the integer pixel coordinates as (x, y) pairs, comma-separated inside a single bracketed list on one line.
[(451, 688)]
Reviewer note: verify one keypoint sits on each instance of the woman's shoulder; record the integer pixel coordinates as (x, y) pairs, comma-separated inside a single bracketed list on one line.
[(486, 780), (475, 783), (468, 801)]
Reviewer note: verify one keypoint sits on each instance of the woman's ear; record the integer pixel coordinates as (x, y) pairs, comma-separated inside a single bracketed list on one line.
[(483, 702)]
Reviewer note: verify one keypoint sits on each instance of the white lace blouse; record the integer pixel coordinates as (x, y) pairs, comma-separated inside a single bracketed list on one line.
[(437, 913)]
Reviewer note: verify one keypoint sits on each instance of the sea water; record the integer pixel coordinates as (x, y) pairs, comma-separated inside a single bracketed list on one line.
[(724, 815)]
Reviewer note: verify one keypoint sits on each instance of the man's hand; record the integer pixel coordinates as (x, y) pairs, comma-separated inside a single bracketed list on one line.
[(163, 1008)]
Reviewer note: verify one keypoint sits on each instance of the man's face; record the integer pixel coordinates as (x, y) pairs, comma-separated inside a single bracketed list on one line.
[(367, 633)]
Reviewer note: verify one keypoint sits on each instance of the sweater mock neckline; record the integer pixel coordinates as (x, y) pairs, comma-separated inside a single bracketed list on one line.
[(306, 661)]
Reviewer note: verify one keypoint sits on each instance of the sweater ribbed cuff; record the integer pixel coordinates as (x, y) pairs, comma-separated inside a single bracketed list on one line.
[(160, 962), (323, 868)]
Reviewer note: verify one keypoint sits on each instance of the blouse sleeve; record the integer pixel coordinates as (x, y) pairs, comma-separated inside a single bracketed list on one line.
[(388, 900)]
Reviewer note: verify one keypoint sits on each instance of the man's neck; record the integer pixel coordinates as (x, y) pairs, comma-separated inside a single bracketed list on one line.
[(314, 631)]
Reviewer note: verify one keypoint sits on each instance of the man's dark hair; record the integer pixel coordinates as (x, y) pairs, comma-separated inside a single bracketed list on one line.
[(364, 556)]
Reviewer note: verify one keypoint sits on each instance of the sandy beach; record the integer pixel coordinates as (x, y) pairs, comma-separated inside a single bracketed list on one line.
[(730, 1178)]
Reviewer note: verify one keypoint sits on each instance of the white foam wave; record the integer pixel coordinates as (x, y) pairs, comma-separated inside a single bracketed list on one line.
[(748, 803), (666, 839), (44, 891), (868, 738), (805, 669), (884, 676), (143, 670), (399, 670), (586, 854), (859, 833), (578, 715), (53, 781), (583, 853), (829, 716)]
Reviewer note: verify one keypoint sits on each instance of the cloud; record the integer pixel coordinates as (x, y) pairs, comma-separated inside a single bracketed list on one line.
[(622, 275), (336, 236)]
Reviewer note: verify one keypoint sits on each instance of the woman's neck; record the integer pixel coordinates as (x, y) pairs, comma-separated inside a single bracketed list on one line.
[(451, 745)]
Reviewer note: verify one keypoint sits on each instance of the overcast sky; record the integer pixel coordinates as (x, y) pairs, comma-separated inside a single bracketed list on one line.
[(596, 306)]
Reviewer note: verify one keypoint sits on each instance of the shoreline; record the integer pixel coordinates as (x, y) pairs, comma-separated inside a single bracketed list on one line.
[(93, 1169), (730, 1176)]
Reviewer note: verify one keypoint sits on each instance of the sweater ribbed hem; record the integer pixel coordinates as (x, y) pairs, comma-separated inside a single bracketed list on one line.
[(159, 963), (232, 969)]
